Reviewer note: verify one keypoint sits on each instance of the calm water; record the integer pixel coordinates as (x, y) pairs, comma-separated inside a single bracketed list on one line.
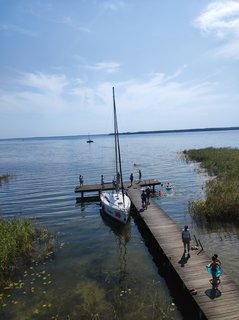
[(97, 269)]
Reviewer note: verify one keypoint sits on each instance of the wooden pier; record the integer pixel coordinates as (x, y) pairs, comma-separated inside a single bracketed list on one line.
[(190, 272), (90, 188)]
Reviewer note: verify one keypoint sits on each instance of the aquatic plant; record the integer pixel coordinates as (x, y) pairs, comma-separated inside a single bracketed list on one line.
[(222, 197), (29, 294), (21, 243), (92, 302)]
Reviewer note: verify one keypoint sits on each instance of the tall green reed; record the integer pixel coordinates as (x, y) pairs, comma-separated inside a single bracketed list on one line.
[(222, 196)]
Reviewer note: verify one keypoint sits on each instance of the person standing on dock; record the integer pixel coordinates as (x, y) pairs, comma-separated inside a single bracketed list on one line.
[(215, 270), (81, 179), (144, 200), (186, 238), (140, 175), (114, 183), (131, 179), (148, 195)]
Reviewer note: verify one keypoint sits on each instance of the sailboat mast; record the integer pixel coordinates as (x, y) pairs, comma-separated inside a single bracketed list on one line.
[(115, 134), (117, 145)]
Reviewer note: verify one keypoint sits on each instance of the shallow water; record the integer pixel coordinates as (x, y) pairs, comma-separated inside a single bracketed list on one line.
[(98, 269)]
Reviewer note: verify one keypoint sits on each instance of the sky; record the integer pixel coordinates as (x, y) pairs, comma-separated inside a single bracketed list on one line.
[(174, 65)]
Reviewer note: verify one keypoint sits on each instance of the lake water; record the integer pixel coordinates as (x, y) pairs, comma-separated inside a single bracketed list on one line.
[(99, 272)]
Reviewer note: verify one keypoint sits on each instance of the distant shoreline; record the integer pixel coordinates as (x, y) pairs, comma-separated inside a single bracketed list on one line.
[(181, 130), (125, 133)]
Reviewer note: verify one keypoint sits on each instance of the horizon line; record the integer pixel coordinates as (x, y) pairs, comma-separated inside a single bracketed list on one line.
[(130, 133)]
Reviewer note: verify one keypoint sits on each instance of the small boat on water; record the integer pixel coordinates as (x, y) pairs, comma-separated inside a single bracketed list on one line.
[(116, 203), (89, 140)]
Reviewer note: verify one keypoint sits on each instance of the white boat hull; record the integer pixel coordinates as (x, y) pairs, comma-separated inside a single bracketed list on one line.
[(112, 203)]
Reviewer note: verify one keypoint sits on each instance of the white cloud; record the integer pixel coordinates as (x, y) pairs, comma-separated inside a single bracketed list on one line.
[(108, 67), (70, 22), (44, 82), (159, 101), (35, 93), (159, 90), (221, 19), (156, 89), (17, 29), (54, 92), (113, 5)]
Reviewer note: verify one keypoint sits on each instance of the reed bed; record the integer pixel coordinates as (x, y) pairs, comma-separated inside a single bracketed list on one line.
[(21, 243), (222, 196)]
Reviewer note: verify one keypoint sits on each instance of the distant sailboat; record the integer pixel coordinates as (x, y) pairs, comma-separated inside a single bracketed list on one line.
[(89, 139)]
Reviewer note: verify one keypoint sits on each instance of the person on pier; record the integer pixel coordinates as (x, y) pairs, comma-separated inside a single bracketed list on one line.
[(131, 179), (114, 183), (215, 270), (140, 175), (144, 200), (148, 194), (186, 238), (81, 179)]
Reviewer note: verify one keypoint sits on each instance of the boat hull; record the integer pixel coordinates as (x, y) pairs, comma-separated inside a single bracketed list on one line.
[(113, 205)]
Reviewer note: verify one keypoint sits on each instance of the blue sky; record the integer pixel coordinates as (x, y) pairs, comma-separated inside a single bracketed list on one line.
[(174, 65)]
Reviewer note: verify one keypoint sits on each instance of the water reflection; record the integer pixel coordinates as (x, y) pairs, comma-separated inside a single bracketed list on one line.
[(122, 235), (82, 205), (122, 231)]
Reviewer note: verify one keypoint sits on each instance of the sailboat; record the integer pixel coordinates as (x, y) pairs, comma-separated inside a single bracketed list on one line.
[(89, 139), (116, 203)]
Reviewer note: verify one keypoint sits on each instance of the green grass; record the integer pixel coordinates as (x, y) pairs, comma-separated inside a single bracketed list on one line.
[(20, 244), (222, 192)]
